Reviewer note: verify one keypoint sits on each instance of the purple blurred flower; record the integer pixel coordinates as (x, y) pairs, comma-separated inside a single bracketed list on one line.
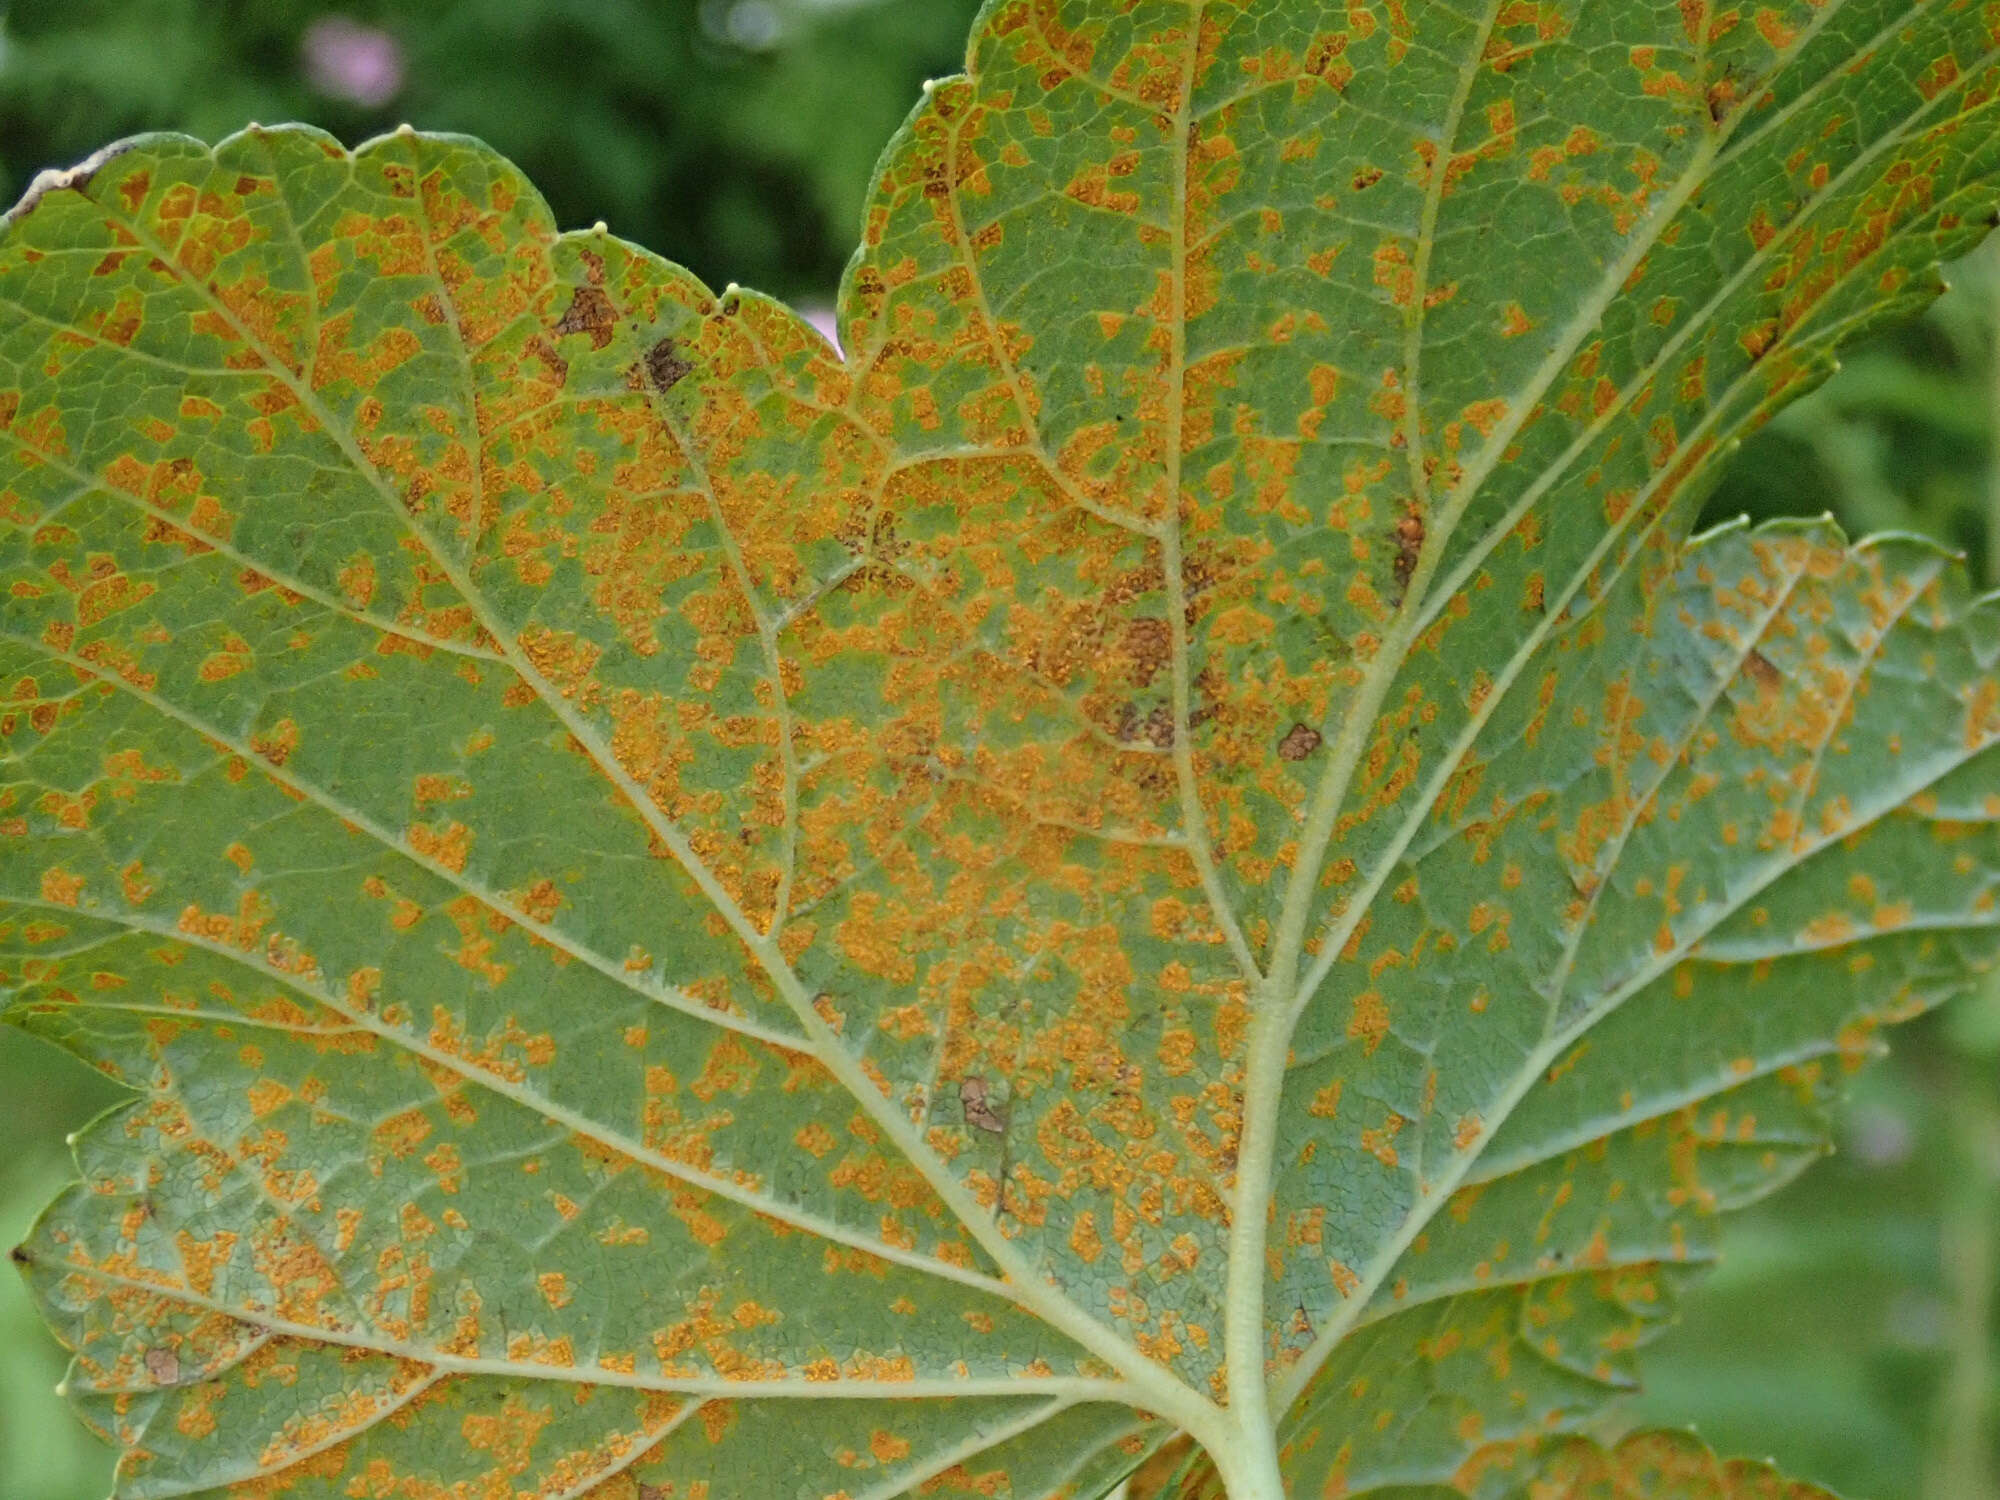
[(1881, 1137), (346, 60)]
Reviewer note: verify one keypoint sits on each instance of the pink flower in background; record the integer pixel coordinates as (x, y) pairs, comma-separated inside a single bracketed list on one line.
[(346, 60)]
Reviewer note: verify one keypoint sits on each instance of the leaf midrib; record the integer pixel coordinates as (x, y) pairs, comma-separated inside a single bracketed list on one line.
[(1272, 1024)]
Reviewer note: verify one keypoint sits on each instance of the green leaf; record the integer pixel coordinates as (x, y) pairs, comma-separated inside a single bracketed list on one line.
[(1178, 842), (1669, 1465), (1658, 1465)]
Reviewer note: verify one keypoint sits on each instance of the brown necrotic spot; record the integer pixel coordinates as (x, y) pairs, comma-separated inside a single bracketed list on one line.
[(1300, 742), (1154, 727), (554, 363), (590, 312), (1148, 648), (979, 1111), (1409, 545), (163, 1365), (665, 367)]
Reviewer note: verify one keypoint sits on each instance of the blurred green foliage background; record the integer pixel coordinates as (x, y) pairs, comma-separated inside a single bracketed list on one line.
[(1849, 1333)]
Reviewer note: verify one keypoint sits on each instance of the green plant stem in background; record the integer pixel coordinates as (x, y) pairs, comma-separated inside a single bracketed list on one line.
[(1970, 1230), (1970, 1235)]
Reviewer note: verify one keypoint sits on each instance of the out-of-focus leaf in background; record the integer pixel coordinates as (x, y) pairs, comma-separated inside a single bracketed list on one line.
[(1849, 1331)]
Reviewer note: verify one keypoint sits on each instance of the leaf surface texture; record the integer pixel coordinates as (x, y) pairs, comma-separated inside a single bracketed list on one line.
[(1177, 839)]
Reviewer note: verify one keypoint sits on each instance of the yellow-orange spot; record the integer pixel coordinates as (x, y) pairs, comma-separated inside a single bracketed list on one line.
[(60, 887), (1370, 1021)]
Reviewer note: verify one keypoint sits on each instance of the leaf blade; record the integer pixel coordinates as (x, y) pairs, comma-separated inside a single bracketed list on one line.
[(947, 766)]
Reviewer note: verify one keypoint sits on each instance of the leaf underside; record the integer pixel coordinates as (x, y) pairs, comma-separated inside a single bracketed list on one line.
[(689, 915), (1654, 1465)]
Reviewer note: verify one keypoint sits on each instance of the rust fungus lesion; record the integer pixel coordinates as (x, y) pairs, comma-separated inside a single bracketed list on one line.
[(590, 312), (666, 366), (163, 1365), (1409, 540), (1760, 670), (976, 1099), (1300, 742)]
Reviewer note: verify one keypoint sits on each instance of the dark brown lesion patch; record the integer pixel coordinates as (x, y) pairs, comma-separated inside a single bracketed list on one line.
[(1758, 668), (554, 363), (975, 1100), (591, 312), (1153, 726), (665, 367), (1409, 545), (1148, 649), (1299, 742)]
